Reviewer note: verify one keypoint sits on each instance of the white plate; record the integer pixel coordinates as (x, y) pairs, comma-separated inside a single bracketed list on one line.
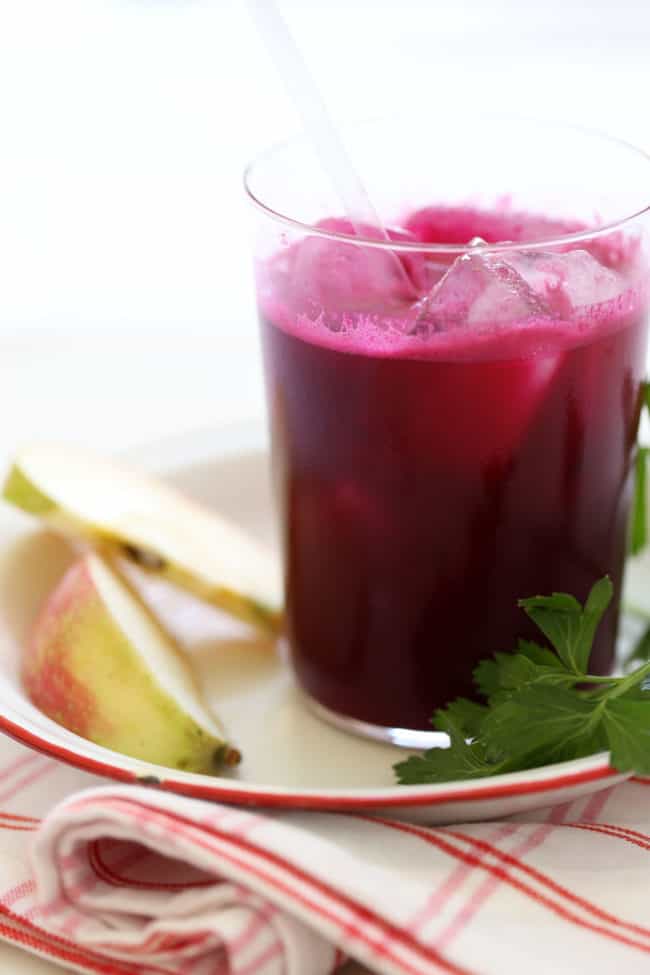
[(291, 758)]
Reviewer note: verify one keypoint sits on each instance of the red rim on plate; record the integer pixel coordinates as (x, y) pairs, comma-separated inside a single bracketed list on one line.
[(409, 796), (192, 452)]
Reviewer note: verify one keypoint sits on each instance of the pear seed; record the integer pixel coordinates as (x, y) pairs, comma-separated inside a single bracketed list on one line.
[(144, 557)]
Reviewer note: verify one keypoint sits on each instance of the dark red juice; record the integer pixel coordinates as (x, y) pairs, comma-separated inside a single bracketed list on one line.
[(431, 474)]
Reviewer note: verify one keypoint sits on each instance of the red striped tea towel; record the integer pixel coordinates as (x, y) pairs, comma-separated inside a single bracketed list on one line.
[(124, 880)]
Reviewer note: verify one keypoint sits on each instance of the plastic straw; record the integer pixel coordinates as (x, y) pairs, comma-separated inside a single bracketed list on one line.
[(318, 125)]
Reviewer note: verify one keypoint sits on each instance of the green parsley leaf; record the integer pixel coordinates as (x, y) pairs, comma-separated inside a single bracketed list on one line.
[(462, 760), (554, 720), (497, 677), (466, 716), (639, 516), (568, 626), (542, 706), (539, 655), (487, 675), (626, 723)]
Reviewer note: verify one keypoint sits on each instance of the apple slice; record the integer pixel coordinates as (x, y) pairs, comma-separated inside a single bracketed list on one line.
[(99, 664), (126, 513)]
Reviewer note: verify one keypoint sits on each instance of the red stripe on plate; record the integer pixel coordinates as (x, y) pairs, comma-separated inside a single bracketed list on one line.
[(25, 737), (294, 799), (331, 801)]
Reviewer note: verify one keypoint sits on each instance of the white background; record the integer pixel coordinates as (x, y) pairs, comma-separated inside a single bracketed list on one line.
[(126, 306)]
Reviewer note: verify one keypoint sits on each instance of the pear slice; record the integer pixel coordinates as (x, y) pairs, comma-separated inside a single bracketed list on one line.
[(99, 664), (125, 513)]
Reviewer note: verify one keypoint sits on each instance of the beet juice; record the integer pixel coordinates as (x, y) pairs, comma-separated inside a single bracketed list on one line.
[(442, 453)]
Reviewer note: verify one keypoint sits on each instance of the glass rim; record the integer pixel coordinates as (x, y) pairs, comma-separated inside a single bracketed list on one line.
[(406, 246)]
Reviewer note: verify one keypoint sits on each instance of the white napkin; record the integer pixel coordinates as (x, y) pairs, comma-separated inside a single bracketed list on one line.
[(120, 879)]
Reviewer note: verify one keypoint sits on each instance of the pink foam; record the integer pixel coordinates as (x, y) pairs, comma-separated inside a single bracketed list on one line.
[(339, 296)]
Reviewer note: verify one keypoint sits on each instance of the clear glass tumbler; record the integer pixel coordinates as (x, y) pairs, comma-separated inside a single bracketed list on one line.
[(453, 414)]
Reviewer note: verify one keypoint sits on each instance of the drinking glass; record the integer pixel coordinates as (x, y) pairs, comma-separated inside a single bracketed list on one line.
[(453, 413)]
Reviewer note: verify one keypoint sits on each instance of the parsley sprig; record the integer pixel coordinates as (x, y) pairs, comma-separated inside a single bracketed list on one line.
[(639, 514), (541, 705)]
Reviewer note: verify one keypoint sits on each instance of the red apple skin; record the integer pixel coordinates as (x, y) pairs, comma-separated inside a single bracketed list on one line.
[(48, 661), (82, 670)]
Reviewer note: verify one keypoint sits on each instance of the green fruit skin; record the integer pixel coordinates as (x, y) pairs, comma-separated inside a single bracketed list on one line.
[(20, 491), (79, 668)]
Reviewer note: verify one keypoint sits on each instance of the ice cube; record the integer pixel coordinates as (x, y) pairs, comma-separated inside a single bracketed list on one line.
[(479, 290), (567, 281), (332, 276)]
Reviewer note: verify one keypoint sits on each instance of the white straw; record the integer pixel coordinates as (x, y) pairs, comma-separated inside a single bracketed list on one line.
[(318, 124)]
